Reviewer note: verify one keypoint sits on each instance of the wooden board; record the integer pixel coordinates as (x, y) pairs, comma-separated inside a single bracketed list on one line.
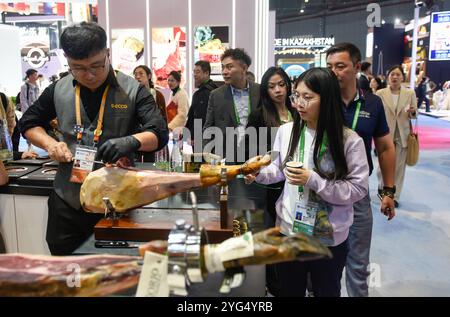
[(155, 224)]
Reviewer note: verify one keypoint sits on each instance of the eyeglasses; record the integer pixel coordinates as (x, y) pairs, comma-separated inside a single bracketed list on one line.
[(94, 70), (298, 100)]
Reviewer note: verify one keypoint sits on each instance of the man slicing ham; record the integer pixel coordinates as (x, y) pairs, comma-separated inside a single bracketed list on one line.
[(98, 111)]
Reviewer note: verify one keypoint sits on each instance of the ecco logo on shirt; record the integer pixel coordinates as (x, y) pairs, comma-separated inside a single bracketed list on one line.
[(119, 106)]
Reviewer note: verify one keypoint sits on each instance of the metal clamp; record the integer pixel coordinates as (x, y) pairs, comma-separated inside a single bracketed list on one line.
[(109, 209), (176, 277), (184, 252)]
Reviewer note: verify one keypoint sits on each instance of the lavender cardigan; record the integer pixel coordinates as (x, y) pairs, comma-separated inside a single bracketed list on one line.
[(341, 194)]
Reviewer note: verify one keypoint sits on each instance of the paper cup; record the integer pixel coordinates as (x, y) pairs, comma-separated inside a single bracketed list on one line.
[(294, 164)]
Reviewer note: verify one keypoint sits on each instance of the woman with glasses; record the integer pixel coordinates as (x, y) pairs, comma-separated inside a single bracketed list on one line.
[(143, 75), (178, 107), (317, 198), (274, 110)]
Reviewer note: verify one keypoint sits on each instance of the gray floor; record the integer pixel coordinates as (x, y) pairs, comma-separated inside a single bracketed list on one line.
[(411, 253)]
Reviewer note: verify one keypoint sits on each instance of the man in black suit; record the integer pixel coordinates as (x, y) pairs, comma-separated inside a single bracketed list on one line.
[(365, 76), (199, 105), (229, 107)]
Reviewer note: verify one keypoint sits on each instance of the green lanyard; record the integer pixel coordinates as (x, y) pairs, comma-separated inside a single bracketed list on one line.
[(238, 120), (355, 118), (301, 149)]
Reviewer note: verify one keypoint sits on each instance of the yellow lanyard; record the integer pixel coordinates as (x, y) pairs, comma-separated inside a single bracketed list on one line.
[(79, 127)]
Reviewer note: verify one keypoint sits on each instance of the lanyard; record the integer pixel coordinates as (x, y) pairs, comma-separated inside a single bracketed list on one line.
[(238, 120), (79, 127), (356, 117), (323, 148)]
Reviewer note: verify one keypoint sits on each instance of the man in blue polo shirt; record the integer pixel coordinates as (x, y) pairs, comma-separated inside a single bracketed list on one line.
[(364, 113)]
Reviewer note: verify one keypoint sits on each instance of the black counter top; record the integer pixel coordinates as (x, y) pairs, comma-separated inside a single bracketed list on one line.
[(16, 189)]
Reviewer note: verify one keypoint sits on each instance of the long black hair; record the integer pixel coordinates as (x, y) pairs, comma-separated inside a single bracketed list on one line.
[(269, 110), (331, 122)]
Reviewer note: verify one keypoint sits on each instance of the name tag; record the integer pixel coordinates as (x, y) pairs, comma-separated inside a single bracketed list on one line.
[(305, 217), (83, 163)]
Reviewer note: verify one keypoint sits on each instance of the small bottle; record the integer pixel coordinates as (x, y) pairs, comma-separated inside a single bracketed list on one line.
[(176, 159)]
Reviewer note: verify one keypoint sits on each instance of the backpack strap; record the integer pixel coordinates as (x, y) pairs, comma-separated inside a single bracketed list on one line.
[(28, 93)]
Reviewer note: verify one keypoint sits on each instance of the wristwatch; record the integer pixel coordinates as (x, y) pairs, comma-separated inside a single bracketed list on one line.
[(388, 191)]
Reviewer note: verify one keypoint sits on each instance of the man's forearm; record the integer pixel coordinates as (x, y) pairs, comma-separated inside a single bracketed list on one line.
[(38, 137), (149, 141), (386, 159)]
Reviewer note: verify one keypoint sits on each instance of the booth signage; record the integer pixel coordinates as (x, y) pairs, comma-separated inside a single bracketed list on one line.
[(36, 57), (302, 42), (440, 36)]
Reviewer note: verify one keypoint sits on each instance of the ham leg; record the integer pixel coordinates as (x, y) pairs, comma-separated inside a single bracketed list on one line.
[(129, 188), (269, 247), (90, 275)]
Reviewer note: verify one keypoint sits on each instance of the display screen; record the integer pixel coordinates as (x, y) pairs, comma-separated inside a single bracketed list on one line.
[(440, 36), (210, 43)]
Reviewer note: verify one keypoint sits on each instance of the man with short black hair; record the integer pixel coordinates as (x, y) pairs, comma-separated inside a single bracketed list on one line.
[(365, 76), (98, 111), (364, 113), (199, 105), (230, 105)]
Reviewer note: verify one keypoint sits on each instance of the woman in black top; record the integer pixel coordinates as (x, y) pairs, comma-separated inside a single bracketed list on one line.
[(273, 111)]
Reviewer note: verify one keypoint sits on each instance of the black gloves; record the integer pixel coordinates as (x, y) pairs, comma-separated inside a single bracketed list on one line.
[(114, 149)]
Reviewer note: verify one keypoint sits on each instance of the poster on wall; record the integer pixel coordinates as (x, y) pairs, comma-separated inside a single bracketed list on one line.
[(168, 54), (127, 49), (209, 44), (440, 36)]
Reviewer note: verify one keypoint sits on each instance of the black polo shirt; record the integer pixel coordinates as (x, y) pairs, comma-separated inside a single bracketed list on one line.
[(371, 120)]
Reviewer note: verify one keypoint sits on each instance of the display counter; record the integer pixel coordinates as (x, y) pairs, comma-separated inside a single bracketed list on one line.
[(24, 210)]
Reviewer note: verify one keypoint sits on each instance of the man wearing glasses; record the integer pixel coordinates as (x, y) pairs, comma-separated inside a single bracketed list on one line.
[(98, 111)]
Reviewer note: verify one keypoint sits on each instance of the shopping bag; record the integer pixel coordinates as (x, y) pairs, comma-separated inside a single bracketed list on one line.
[(412, 155)]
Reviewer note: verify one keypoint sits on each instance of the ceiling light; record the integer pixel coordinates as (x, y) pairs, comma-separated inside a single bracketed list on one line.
[(383, 22), (306, 1), (397, 21), (301, 11)]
